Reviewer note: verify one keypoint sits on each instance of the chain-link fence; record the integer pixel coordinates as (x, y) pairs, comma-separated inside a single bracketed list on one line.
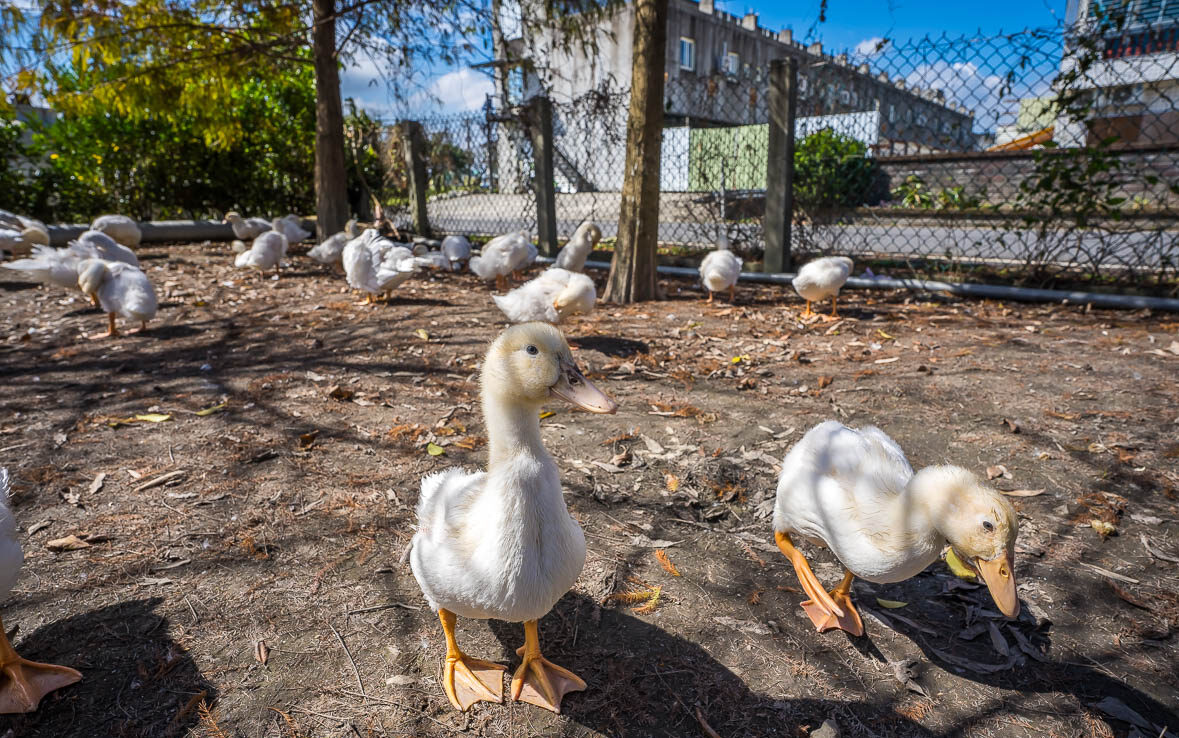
[(1048, 154)]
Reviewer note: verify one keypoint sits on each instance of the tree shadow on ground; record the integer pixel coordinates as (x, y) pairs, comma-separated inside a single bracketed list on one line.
[(643, 681), (610, 345), (136, 680)]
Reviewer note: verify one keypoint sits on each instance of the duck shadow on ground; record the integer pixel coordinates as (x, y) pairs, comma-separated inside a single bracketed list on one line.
[(136, 681), (610, 345), (644, 681)]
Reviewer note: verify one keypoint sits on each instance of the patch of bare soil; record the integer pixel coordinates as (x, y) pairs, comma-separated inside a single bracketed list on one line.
[(242, 480)]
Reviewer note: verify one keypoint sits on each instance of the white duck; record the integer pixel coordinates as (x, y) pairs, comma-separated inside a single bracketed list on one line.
[(246, 229), (822, 278), (331, 250), (266, 252), (57, 267), (120, 289), (25, 682), (501, 256), (119, 227), (432, 260), (574, 253), (374, 265), (98, 245), (291, 226), (551, 297), (854, 492), (720, 268), (457, 249), (501, 544), (18, 239)]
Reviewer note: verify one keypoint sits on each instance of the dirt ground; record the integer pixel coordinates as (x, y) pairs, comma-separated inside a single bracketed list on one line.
[(237, 566)]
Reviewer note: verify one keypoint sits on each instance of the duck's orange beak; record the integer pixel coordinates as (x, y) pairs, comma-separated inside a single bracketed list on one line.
[(1000, 578)]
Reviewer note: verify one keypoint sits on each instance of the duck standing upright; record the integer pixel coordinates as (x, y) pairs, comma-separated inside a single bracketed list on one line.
[(22, 682), (854, 492), (822, 278), (501, 543)]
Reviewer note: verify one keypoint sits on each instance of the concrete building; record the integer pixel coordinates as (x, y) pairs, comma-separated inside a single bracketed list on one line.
[(1134, 79), (716, 75)]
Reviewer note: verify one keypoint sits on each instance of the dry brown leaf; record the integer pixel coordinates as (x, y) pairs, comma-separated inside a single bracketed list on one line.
[(69, 543), (672, 481), (337, 392), (1062, 416), (754, 597), (1011, 425), (997, 471), (825, 382), (665, 562), (307, 440), (1022, 492)]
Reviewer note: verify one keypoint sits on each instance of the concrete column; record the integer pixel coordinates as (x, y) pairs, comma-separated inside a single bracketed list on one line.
[(783, 103), (414, 150), (540, 128)]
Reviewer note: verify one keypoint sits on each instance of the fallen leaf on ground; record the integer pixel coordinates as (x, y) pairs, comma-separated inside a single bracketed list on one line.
[(307, 440), (1105, 529), (665, 562), (547, 414), (340, 393), (153, 417), (434, 449), (1022, 492), (994, 472), (422, 334), (211, 409), (825, 382), (673, 482), (69, 543), (960, 569), (1011, 425), (97, 483), (891, 604)]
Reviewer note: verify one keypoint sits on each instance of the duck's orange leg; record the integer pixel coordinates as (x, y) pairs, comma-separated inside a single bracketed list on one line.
[(539, 681), (826, 611), (23, 683), (468, 680)]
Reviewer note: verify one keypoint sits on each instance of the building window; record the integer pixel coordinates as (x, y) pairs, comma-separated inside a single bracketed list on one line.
[(687, 54), (731, 64)]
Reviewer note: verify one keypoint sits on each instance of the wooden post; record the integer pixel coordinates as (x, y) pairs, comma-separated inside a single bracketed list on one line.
[(414, 149), (783, 102), (540, 129)]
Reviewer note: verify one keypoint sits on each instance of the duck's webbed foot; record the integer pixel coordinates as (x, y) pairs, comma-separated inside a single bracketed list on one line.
[(23, 683), (539, 681), (468, 680), (825, 619)]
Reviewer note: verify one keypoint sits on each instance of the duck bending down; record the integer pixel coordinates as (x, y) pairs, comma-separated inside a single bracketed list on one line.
[(574, 253), (457, 249), (720, 269), (854, 492), (501, 544), (119, 289), (502, 256), (119, 227), (22, 682), (822, 278), (246, 229), (551, 297), (265, 252), (331, 250), (375, 265)]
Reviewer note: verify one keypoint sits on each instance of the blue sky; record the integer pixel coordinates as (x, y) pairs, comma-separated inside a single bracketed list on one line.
[(848, 24)]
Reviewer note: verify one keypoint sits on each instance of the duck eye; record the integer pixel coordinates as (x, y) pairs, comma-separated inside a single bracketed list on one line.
[(532, 350), (988, 526)]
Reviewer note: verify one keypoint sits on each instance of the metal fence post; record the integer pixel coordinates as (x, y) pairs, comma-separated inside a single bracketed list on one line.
[(541, 131), (414, 150), (783, 101)]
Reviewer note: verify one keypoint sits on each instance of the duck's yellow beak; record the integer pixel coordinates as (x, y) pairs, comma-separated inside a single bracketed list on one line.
[(1000, 579), (573, 387)]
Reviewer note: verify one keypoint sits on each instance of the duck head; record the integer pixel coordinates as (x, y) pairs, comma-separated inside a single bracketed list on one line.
[(232, 217), (980, 525), (91, 274), (530, 363)]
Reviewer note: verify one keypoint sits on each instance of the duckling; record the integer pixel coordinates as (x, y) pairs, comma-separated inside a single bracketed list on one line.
[(119, 227), (574, 253), (551, 297), (501, 256), (501, 544), (457, 249), (120, 289), (22, 682), (265, 252), (720, 269), (854, 492), (246, 229), (822, 278)]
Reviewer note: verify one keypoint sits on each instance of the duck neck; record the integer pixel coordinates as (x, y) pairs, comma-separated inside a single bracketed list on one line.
[(921, 507), (513, 428)]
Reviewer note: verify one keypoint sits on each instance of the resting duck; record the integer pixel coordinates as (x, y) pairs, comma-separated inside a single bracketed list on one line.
[(574, 253), (719, 269), (25, 682), (501, 544), (551, 297), (266, 252), (246, 229), (331, 251), (119, 289), (854, 492), (98, 245), (119, 227), (457, 249), (822, 278), (502, 256)]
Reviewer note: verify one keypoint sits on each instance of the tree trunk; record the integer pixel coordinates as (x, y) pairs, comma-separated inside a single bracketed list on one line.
[(632, 271), (331, 175)]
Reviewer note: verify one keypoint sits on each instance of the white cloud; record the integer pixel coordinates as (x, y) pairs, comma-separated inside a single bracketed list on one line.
[(461, 90), (872, 46)]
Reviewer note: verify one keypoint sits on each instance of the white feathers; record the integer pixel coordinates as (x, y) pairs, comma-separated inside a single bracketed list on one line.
[(119, 227), (19, 234), (121, 289), (719, 269), (574, 253), (11, 556), (503, 255), (331, 250), (552, 296), (246, 229), (457, 249), (822, 278), (291, 226), (58, 267), (374, 264), (265, 253), (98, 245)]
